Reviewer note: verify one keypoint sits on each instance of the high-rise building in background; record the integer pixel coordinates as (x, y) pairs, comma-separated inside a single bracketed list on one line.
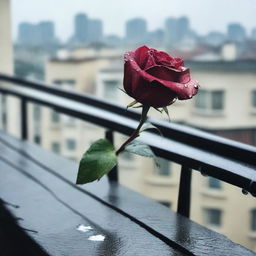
[(253, 34), (26, 33), (86, 30), (95, 30), (40, 34), (136, 30), (47, 33), (155, 38), (175, 31), (236, 32), (81, 28), (182, 28)]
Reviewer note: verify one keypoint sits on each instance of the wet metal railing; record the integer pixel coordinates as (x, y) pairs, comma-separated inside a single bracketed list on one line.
[(226, 160)]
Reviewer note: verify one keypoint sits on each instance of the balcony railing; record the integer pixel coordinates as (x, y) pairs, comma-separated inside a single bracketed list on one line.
[(194, 150), (226, 160)]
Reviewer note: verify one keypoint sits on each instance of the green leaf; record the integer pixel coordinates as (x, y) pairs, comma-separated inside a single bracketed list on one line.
[(98, 160), (148, 126), (132, 104), (141, 149), (167, 113), (159, 110)]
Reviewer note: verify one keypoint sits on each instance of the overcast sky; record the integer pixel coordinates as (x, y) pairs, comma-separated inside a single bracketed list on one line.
[(205, 15)]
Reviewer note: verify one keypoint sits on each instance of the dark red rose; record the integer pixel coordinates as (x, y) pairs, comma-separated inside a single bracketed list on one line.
[(155, 78)]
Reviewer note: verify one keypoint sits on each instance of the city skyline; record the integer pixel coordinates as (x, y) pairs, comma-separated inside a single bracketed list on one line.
[(87, 30), (197, 11)]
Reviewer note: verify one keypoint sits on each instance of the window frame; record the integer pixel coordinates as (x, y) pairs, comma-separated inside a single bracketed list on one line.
[(209, 219), (209, 101), (67, 143), (253, 220), (212, 185)]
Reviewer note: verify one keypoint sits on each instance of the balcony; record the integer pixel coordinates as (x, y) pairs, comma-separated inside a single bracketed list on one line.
[(43, 212)]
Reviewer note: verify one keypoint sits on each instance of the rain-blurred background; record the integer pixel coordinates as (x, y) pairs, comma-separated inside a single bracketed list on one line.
[(79, 45)]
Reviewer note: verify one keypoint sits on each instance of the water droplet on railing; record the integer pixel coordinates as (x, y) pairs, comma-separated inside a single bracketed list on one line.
[(84, 228), (98, 238), (245, 192), (202, 172)]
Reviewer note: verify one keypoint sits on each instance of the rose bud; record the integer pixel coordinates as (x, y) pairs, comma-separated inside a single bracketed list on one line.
[(156, 79)]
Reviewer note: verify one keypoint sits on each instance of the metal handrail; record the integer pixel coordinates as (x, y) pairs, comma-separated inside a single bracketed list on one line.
[(221, 158)]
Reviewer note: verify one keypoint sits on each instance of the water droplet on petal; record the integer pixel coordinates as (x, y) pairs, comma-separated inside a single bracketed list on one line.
[(84, 228), (186, 85), (196, 86), (97, 238)]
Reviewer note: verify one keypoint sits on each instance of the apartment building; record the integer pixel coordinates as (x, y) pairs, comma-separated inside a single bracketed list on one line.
[(226, 105)]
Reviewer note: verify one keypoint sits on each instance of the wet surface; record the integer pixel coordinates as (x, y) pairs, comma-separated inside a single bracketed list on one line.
[(69, 221), (83, 228), (98, 238)]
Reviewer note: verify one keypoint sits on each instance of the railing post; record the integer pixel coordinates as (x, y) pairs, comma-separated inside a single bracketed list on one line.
[(3, 112), (24, 119), (184, 191), (113, 174)]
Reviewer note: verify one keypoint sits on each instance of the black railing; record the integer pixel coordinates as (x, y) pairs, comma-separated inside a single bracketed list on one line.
[(226, 160)]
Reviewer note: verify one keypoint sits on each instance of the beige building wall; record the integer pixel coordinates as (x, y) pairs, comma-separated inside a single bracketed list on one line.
[(82, 73), (9, 105), (6, 55), (238, 111)]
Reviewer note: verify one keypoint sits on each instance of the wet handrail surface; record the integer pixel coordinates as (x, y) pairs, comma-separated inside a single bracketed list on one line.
[(221, 158)]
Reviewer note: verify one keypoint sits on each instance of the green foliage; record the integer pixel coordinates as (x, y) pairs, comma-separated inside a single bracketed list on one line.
[(167, 113), (98, 160), (141, 149)]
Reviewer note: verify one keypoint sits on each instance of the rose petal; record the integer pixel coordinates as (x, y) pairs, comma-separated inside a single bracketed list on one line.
[(142, 57), (163, 58), (155, 78), (170, 74)]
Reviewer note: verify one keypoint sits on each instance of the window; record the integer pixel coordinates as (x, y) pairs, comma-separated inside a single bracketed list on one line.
[(164, 167), (55, 117), (57, 81), (253, 220), (110, 89), (68, 120), (64, 81), (201, 100), (37, 139), (254, 99), (209, 101), (56, 147), (71, 144), (37, 113), (213, 217), (217, 100), (214, 183)]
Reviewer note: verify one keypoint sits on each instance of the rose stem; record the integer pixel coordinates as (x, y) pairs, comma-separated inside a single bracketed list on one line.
[(135, 134)]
